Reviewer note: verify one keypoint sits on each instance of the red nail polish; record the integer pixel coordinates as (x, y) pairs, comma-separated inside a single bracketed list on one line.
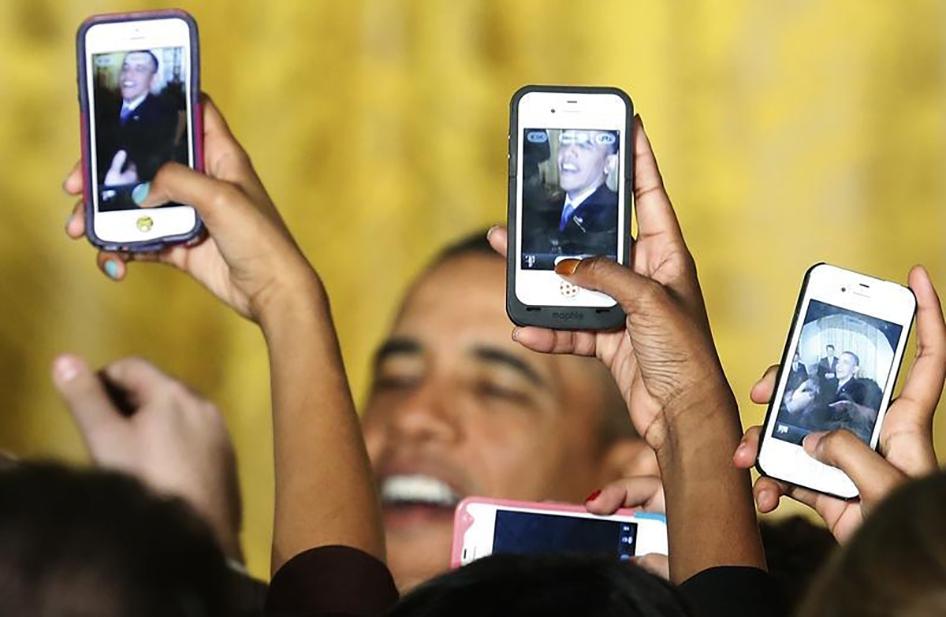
[(593, 495)]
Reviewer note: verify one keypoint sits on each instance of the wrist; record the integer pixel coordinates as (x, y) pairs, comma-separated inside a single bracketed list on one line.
[(286, 305)]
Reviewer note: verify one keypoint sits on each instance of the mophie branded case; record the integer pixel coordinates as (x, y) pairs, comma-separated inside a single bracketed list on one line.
[(85, 113), (564, 317)]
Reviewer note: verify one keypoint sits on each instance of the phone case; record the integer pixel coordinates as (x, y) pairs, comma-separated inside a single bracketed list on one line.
[(563, 317), (778, 379), (85, 111), (462, 519)]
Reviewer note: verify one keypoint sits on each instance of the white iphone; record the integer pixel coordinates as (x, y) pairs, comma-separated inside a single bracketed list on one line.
[(138, 93), (570, 177), (483, 527), (838, 371)]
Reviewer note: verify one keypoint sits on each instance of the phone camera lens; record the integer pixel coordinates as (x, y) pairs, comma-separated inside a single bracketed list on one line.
[(553, 110), (843, 289)]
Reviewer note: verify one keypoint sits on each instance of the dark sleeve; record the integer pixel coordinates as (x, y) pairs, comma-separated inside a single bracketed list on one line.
[(733, 591), (331, 580)]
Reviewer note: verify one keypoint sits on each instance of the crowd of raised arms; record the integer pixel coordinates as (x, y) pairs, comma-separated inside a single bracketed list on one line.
[(461, 403)]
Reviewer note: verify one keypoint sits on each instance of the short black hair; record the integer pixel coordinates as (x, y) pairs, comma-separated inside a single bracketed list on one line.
[(546, 586), (98, 543), (857, 361), (154, 59), (473, 243), (829, 346)]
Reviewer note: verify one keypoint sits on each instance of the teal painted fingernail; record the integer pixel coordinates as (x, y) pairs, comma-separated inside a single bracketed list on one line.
[(111, 269), (140, 192)]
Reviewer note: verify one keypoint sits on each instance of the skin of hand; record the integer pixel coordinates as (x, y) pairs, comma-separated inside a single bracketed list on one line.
[(172, 439), (643, 493), (250, 261), (905, 448), (666, 366)]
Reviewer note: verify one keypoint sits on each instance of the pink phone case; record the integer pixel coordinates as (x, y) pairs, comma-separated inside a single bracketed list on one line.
[(85, 110), (462, 519)]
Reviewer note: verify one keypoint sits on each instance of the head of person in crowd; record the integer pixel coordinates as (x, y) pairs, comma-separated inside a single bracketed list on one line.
[(848, 363), (795, 550), (136, 78), (829, 351), (458, 408), (544, 586), (895, 565), (97, 543), (584, 160)]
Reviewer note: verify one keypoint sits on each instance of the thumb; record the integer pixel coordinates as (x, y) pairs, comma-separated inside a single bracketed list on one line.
[(629, 289), (118, 161), (873, 476), (216, 201), (84, 395)]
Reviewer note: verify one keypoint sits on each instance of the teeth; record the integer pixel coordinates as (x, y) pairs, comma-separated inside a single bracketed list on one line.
[(418, 489), (569, 167)]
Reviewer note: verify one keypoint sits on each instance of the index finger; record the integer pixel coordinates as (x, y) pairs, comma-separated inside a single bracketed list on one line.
[(72, 184), (655, 215), (140, 379), (924, 383)]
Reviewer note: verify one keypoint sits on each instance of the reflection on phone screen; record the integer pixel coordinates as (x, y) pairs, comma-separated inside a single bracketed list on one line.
[(837, 373), (139, 106), (569, 195)]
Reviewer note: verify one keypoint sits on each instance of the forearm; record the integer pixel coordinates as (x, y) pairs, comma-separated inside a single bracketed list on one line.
[(324, 489), (710, 512)]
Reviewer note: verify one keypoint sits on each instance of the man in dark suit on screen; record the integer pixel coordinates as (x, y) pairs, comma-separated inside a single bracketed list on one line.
[(141, 133), (583, 218)]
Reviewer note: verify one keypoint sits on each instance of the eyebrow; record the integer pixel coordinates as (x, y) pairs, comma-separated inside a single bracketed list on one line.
[(497, 356), (396, 346)]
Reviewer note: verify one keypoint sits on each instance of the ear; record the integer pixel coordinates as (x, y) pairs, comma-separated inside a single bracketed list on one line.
[(610, 164), (628, 457)]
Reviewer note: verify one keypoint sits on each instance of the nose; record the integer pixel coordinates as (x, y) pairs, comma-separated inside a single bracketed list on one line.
[(426, 414)]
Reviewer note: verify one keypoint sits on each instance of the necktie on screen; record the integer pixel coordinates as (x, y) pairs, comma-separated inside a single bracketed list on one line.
[(566, 215), (125, 113)]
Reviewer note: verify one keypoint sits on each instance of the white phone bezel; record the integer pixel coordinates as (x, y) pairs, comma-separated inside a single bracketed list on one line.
[(599, 111), (477, 540), (881, 299), (122, 226)]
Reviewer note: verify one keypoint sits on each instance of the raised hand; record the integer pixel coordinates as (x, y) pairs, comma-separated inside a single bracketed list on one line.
[(170, 438), (905, 448), (115, 176)]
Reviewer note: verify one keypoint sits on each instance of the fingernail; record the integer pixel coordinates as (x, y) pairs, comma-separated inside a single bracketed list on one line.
[(66, 368), (639, 119), (593, 495), (111, 269), (741, 447), (810, 442), (567, 266), (140, 193), (515, 334), (490, 231)]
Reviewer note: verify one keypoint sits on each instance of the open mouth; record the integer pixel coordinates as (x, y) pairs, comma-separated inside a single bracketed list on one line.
[(569, 167), (412, 499)]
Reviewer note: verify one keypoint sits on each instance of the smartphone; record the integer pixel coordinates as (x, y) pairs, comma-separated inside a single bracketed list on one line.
[(570, 187), (838, 371), (138, 77), (483, 527)]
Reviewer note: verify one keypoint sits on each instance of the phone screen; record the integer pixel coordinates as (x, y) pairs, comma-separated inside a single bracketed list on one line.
[(534, 533), (139, 107), (569, 195), (837, 373)]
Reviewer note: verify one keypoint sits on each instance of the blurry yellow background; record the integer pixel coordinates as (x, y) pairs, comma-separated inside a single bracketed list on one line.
[(788, 132)]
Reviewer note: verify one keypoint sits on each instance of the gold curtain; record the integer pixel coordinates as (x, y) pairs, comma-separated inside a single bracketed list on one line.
[(789, 132)]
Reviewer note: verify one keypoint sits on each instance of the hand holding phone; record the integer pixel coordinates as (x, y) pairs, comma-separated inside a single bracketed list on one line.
[(250, 261), (905, 443)]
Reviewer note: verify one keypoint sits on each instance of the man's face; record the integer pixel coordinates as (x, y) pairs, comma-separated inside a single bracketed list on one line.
[(846, 366), (829, 351), (136, 76), (457, 408), (583, 159)]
